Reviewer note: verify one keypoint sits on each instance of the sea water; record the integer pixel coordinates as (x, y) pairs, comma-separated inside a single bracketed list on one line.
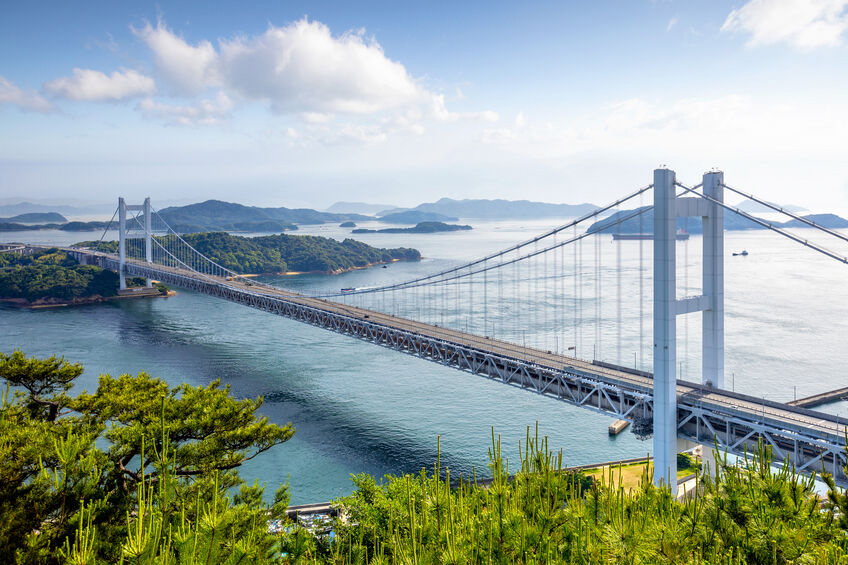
[(359, 408)]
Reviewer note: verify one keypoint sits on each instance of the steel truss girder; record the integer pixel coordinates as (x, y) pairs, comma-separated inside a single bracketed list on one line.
[(739, 435)]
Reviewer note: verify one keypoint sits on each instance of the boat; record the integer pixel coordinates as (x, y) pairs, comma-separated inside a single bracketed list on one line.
[(349, 289), (743, 253)]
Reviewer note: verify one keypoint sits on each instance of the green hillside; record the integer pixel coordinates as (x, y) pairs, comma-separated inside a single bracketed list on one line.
[(216, 215), (283, 253)]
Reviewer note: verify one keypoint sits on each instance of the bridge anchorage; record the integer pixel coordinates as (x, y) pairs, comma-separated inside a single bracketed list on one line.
[(476, 317)]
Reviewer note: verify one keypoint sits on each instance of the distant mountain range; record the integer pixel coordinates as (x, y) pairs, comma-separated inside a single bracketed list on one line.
[(498, 209), (216, 215), (415, 217), (66, 210), (357, 208), (753, 207), (644, 223)]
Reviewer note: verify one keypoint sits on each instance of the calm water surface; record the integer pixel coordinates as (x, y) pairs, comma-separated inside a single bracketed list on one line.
[(360, 408)]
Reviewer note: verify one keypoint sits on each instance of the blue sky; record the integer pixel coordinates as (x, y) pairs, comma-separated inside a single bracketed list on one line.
[(306, 103)]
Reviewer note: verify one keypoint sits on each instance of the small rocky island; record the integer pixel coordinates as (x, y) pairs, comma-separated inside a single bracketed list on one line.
[(347, 224), (421, 227)]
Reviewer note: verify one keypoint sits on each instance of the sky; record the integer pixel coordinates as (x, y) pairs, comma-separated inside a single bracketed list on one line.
[(302, 104)]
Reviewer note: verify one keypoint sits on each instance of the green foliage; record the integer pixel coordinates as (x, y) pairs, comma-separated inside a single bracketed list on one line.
[(420, 227), (65, 226), (281, 253), (215, 215), (104, 246), (52, 274), (136, 472), (686, 462), (140, 472), (745, 514)]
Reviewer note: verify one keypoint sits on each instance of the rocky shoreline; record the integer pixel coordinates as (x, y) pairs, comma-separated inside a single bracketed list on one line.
[(82, 301)]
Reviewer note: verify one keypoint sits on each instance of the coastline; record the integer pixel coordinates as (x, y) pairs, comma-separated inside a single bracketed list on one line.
[(336, 272), (43, 303)]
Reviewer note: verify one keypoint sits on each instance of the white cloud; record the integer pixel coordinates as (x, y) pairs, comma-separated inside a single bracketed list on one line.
[(731, 130), (188, 69), (441, 113), (671, 23), (802, 23), (300, 68), (497, 136), (26, 101), (520, 120), (205, 112), (94, 86), (316, 117)]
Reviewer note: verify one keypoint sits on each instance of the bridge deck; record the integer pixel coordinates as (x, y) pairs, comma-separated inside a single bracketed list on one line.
[(803, 432)]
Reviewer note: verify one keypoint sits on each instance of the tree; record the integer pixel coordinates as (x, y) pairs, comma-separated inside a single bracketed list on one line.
[(74, 470)]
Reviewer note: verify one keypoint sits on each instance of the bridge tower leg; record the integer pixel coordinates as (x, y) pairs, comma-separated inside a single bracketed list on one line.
[(122, 242), (712, 348), (665, 329), (148, 235)]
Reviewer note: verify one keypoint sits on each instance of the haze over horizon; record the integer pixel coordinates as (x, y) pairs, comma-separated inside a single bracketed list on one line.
[(306, 104)]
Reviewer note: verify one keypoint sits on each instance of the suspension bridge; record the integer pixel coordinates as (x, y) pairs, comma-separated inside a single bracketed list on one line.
[(526, 315)]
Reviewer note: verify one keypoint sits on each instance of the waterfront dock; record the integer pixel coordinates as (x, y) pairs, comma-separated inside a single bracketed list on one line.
[(819, 399)]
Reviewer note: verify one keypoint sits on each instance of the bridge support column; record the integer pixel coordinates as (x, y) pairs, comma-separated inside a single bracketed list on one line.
[(148, 235), (712, 352), (122, 242), (665, 329)]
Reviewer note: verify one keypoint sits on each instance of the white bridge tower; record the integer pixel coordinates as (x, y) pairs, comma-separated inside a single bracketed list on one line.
[(667, 208), (123, 208)]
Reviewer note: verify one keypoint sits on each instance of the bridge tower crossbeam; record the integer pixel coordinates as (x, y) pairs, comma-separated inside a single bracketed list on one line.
[(667, 208)]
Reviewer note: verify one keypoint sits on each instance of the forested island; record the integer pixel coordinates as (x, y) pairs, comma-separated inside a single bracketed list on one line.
[(421, 227), (67, 226), (52, 278), (282, 253), (36, 218), (138, 471), (216, 215)]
